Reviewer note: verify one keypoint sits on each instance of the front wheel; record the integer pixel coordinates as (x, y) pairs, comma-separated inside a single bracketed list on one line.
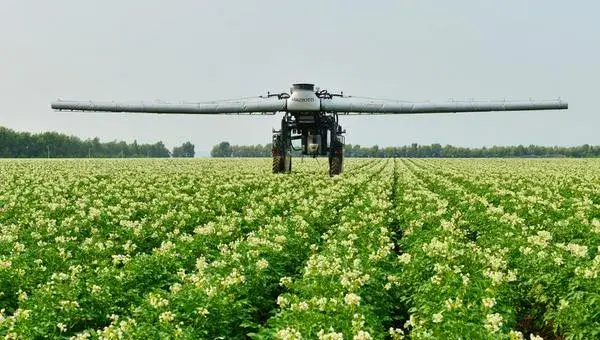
[(335, 165), (282, 164), (282, 159), (277, 164)]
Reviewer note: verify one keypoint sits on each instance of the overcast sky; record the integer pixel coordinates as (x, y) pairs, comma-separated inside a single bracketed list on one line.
[(206, 50)]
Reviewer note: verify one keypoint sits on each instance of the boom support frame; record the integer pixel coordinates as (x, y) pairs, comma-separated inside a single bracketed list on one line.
[(320, 134)]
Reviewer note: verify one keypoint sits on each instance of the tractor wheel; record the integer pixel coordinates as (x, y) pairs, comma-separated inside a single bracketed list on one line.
[(282, 158), (277, 164), (335, 165), (282, 162)]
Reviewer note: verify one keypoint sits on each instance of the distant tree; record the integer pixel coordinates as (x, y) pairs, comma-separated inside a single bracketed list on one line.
[(222, 149), (159, 149), (53, 144), (436, 150), (177, 152), (185, 150)]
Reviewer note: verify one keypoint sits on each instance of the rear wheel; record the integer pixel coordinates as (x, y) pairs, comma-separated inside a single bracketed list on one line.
[(282, 159), (277, 168), (336, 163), (336, 152)]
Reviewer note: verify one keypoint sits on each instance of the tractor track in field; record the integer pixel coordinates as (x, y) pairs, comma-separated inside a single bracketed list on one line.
[(381, 306), (395, 223), (296, 272), (399, 314)]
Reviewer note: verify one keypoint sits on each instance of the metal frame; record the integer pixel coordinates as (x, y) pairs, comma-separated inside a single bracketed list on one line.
[(304, 126)]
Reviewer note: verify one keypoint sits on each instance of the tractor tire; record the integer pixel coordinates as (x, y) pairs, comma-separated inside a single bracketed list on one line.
[(282, 164), (277, 165), (335, 165), (282, 158)]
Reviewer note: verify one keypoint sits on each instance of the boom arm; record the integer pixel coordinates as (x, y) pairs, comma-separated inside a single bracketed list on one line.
[(304, 99), (258, 106), (353, 106)]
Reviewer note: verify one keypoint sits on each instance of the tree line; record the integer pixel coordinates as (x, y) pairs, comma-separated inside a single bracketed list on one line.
[(15, 144), (225, 149)]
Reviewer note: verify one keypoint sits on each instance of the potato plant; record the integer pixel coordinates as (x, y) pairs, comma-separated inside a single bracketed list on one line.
[(223, 248)]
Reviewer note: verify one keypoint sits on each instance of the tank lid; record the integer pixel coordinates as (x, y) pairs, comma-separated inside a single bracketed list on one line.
[(304, 86)]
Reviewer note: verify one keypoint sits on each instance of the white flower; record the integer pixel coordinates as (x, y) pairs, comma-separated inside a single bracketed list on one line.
[(285, 281), (282, 301), (262, 264), (19, 247), (515, 335), (300, 306), (493, 322), (202, 311), (404, 258), (288, 334), (362, 335), (61, 327), (495, 276), (166, 317), (352, 299), (175, 288), (535, 337), (489, 302), (454, 303), (465, 279), (81, 336), (95, 289), (541, 239), (332, 335), (233, 278), (5, 264), (396, 333), (321, 302), (157, 301), (437, 317), (577, 250), (201, 263), (358, 321), (596, 225)]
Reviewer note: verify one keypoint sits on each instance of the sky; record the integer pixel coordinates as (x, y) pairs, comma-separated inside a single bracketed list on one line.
[(208, 50)]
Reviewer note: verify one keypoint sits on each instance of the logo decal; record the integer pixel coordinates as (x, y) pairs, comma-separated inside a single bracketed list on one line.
[(303, 100)]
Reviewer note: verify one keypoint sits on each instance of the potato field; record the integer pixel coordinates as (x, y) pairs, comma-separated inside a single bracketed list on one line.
[(224, 249)]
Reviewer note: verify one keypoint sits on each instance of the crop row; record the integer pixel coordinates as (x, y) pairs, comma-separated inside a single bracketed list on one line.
[(486, 249), (88, 240), (541, 255)]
